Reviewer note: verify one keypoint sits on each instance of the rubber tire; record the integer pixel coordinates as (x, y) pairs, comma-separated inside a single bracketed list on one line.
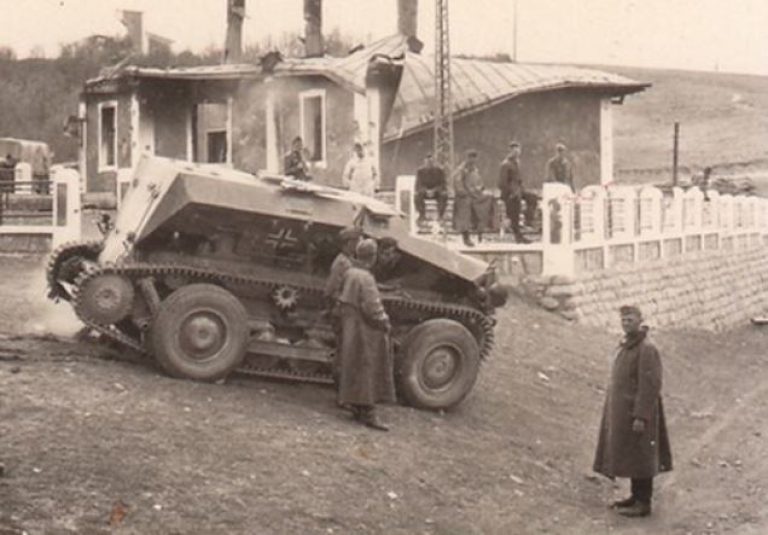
[(419, 342), (169, 317)]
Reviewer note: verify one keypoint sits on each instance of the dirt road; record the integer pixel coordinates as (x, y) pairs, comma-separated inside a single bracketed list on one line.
[(94, 442)]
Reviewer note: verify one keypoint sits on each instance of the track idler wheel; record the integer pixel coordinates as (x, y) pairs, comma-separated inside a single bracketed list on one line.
[(106, 298)]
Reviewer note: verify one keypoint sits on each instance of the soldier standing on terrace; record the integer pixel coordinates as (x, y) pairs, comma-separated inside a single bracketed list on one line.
[(633, 440)]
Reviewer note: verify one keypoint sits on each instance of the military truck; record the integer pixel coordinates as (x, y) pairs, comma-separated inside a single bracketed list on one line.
[(211, 270), (34, 153)]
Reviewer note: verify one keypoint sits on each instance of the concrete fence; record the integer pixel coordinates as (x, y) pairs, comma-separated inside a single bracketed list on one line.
[(604, 227), (38, 216)]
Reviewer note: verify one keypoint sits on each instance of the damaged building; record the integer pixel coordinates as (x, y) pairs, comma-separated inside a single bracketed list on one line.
[(381, 95)]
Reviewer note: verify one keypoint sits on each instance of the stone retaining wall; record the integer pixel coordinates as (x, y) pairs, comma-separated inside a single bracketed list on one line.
[(708, 290)]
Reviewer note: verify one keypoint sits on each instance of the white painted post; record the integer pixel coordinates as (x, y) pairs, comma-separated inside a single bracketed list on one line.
[(650, 212), (68, 228), (592, 201), (606, 141), (405, 191), (23, 173), (273, 157), (557, 211)]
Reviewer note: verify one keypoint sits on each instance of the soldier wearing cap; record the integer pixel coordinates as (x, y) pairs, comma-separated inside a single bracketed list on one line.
[(294, 162), (559, 168), (348, 240), (472, 205), (511, 189), (366, 375), (633, 440)]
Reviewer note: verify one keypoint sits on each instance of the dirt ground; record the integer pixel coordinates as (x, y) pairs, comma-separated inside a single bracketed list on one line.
[(95, 441)]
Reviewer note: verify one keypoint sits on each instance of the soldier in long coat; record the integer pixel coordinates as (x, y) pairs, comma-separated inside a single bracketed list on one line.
[(365, 360), (348, 239), (633, 440), (472, 205)]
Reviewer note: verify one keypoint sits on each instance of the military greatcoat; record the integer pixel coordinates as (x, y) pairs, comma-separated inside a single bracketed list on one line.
[(472, 206), (339, 268), (365, 359), (634, 392)]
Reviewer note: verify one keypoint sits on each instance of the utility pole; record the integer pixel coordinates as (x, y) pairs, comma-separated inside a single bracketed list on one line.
[(514, 31), (675, 147), (443, 126)]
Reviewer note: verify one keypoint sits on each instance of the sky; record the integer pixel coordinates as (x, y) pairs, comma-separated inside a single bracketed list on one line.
[(724, 35)]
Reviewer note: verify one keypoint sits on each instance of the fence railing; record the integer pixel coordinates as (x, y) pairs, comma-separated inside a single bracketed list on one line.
[(42, 209), (601, 227)]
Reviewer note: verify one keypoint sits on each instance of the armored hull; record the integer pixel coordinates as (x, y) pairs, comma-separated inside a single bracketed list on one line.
[(212, 270)]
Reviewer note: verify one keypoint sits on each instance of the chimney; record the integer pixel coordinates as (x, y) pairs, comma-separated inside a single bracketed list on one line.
[(134, 25), (407, 17), (233, 48), (313, 28)]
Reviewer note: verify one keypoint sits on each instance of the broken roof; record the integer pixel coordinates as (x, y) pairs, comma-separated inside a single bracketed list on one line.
[(476, 83)]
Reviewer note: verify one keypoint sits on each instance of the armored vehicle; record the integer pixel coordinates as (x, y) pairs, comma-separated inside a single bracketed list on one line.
[(211, 270)]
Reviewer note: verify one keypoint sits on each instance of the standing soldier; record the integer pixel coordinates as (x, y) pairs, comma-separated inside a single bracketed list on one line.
[(365, 360), (559, 168), (360, 173), (511, 189), (348, 238), (633, 440)]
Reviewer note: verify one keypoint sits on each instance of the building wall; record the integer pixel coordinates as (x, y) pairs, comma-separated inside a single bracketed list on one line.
[(171, 108), (538, 121), (105, 180), (249, 124)]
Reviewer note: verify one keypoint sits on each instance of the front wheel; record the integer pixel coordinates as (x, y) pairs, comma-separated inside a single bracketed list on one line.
[(200, 332), (438, 364)]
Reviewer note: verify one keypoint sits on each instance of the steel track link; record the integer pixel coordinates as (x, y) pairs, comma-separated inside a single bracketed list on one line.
[(62, 254), (133, 271)]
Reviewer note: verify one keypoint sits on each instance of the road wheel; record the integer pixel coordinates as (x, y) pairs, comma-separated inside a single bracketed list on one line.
[(438, 364), (200, 332)]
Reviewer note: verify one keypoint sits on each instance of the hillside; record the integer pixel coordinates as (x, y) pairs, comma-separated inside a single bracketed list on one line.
[(723, 120)]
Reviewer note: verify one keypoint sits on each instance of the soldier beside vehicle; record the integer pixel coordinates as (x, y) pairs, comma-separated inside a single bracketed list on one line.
[(363, 366)]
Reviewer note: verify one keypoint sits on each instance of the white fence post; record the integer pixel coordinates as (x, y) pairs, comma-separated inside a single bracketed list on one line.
[(405, 199), (67, 220), (557, 230)]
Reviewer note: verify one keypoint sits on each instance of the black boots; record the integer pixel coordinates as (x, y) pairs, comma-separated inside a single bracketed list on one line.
[(467, 241), (368, 417)]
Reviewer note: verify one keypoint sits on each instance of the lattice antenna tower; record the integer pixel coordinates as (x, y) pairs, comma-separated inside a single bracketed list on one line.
[(443, 148)]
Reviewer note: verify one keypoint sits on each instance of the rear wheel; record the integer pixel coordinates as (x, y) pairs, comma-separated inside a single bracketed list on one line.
[(200, 332), (438, 364)]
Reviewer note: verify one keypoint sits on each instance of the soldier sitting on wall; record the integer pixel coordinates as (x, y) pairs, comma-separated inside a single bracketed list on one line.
[(7, 173), (294, 162), (430, 184)]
